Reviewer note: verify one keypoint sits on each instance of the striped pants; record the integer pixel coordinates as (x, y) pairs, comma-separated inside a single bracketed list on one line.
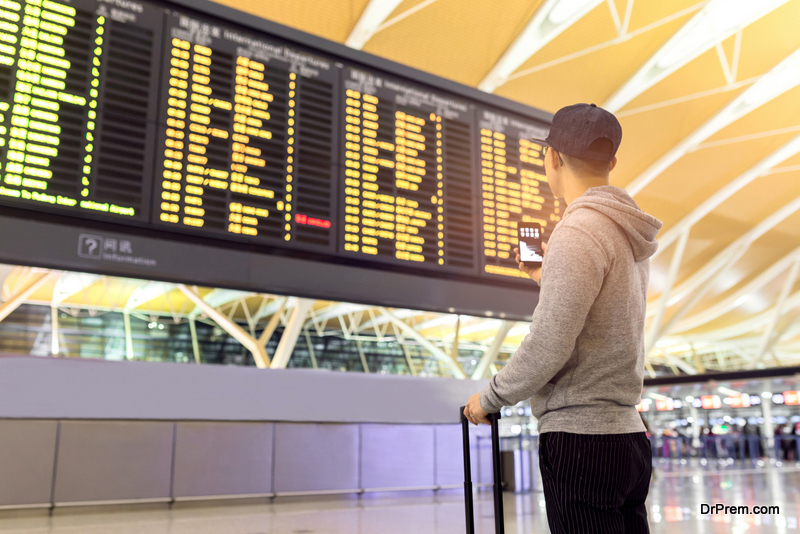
[(595, 483)]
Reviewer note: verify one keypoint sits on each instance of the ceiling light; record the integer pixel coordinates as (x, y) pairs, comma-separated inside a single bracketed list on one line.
[(766, 395), (727, 391)]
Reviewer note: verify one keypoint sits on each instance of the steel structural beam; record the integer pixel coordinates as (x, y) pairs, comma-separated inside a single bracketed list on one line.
[(371, 19), (549, 21), (219, 297), (273, 306), (54, 346), (362, 356), (716, 21), (437, 353), (5, 271), (454, 348), (675, 263), (680, 363), (443, 320), (411, 368), (766, 339), (699, 293), (126, 321), (34, 282), (749, 343), (195, 342), (738, 329), (735, 249), (337, 310), (491, 353), (736, 298), (759, 169), (698, 361), (258, 352), (787, 332), (310, 346), (383, 319), (145, 293), (479, 325), (67, 285), (290, 334), (266, 334)]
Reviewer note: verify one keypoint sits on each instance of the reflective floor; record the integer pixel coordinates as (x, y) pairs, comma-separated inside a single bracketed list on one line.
[(674, 506)]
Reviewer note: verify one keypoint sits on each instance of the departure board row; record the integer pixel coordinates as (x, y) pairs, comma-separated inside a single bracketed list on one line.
[(154, 115), (249, 137), (400, 143)]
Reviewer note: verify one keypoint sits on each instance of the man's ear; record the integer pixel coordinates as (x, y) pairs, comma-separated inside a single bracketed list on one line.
[(612, 164), (552, 155)]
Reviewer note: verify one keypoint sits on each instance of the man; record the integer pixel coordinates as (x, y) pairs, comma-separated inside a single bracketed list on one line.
[(583, 362)]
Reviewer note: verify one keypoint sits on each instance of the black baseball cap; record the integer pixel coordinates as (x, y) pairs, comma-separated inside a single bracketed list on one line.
[(576, 129)]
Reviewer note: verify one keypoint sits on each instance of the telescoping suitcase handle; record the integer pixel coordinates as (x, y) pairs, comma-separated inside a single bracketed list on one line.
[(497, 472)]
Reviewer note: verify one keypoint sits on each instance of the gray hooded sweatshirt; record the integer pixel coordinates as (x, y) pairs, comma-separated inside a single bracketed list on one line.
[(582, 363)]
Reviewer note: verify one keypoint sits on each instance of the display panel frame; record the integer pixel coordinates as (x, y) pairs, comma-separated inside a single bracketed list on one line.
[(512, 298)]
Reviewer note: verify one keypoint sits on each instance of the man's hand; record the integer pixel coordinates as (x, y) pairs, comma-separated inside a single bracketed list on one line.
[(535, 274), (473, 411)]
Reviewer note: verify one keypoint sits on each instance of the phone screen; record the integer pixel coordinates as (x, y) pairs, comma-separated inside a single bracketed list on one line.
[(530, 243)]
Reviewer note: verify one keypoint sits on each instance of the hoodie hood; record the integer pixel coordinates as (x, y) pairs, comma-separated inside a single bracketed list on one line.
[(617, 205)]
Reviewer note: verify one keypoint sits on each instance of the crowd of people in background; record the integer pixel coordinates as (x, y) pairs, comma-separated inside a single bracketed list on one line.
[(736, 441), (788, 447)]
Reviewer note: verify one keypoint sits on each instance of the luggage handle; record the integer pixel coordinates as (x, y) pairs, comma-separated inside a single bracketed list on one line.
[(497, 485)]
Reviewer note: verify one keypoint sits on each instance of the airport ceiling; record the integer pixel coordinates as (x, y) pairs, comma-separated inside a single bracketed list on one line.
[(708, 94)]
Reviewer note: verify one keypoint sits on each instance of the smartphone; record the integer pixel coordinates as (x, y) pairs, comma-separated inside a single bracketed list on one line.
[(530, 244)]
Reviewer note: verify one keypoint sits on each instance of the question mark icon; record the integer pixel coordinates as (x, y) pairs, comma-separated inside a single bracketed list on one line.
[(89, 246)]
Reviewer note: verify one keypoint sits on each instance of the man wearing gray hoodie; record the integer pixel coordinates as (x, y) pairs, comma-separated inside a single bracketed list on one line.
[(582, 363)]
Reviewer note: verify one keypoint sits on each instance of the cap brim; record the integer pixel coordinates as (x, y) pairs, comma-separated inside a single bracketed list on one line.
[(540, 141)]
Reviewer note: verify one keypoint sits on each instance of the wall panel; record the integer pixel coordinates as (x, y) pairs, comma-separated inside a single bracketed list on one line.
[(449, 461), (113, 460), (315, 457), (222, 459), (396, 456), (27, 452)]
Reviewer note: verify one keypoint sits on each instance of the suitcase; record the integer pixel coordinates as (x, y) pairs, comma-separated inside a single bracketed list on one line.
[(497, 471)]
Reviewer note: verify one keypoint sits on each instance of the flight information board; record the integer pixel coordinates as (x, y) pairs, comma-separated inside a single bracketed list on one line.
[(247, 137), (162, 117), (408, 195), (513, 189), (76, 97)]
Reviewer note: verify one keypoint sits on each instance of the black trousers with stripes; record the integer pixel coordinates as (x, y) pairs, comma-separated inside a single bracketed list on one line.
[(595, 483)]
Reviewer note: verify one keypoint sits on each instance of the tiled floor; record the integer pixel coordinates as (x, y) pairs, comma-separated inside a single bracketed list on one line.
[(674, 506)]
